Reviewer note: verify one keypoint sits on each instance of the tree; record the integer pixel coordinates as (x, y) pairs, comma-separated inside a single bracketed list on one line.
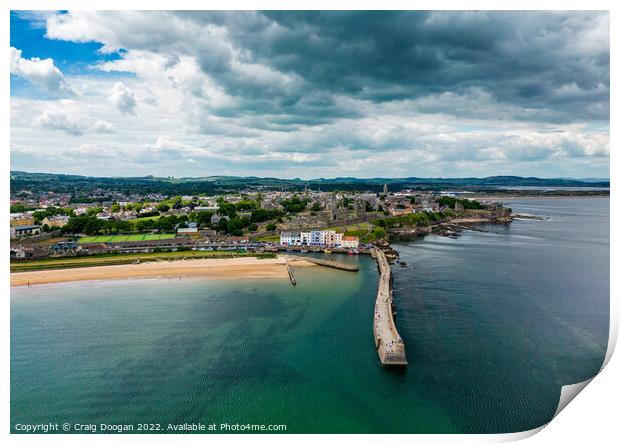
[(149, 214), (202, 217), (245, 205), (19, 208), (252, 228), (227, 209), (378, 233), (294, 204), (315, 207), (94, 211), (39, 215), (163, 207), (145, 225), (115, 208), (263, 215), (271, 227)]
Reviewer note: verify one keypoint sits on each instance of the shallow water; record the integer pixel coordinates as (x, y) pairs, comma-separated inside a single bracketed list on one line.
[(494, 323)]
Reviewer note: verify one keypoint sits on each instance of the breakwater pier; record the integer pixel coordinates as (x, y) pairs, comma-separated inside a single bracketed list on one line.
[(291, 276), (390, 346), (332, 264)]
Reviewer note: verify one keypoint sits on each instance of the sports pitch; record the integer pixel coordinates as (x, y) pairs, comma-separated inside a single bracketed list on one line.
[(125, 238)]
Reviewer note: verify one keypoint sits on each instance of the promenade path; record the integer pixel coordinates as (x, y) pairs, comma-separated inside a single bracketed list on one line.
[(390, 346)]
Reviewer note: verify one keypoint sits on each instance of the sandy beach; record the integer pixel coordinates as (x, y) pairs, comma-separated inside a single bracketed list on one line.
[(229, 268)]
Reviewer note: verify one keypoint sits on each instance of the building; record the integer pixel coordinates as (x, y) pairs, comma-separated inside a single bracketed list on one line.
[(360, 209), (65, 247), (331, 239), (212, 208), (55, 221), (191, 228), (25, 230), (306, 237), (216, 218), (20, 219), (21, 253), (208, 234), (187, 231), (289, 238), (350, 242), (238, 239), (315, 238)]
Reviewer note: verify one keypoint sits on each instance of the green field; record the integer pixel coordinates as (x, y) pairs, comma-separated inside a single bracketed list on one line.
[(125, 238), (138, 219)]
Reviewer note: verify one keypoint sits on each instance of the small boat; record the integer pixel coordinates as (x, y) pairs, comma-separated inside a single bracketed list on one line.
[(304, 251), (327, 251)]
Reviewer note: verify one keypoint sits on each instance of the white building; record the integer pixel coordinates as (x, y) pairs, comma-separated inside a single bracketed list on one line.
[(305, 237), (289, 238), (207, 208), (322, 238), (350, 242), (190, 231)]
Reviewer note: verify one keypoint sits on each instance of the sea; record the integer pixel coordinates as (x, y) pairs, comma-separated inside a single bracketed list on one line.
[(494, 322)]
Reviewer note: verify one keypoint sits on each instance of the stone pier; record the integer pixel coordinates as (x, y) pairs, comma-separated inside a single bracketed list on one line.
[(390, 346)]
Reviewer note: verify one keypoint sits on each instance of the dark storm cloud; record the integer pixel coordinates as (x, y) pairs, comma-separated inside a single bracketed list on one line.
[(536, 61), (326, 94)]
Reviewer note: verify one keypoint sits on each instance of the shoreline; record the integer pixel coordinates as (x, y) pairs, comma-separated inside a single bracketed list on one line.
[(222, 268), (539, 196)]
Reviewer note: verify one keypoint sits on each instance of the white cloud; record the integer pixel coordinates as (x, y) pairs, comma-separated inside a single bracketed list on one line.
[(203, 96), (103, 126), (66, 119), (124, 99), (40, 72), (58, 120)]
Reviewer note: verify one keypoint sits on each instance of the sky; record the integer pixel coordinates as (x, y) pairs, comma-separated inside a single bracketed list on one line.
[(310, 94)]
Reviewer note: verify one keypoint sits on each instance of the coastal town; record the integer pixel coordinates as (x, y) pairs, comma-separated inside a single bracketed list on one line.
[(60, 237), (47, 224)]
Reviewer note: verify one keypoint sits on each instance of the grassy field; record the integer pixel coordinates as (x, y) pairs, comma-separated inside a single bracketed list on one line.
[(138, 219), (120, 259), (125, 238)]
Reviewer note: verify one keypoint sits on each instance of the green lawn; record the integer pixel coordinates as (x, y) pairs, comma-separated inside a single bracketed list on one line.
[(125, 238), (138, 219)]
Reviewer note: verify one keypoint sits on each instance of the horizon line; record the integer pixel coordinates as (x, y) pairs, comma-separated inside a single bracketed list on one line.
[(589, 179)]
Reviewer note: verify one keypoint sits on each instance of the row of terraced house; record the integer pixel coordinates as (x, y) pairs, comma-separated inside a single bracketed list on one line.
[(318, 238)]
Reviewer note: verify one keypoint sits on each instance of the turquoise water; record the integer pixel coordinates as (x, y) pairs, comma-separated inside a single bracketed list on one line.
[(494, 324)]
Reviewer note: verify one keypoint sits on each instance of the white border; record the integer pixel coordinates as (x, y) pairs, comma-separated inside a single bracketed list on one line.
[(592, 418)]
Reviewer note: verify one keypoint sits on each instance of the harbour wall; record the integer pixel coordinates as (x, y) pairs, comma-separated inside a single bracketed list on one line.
[(390, 346)]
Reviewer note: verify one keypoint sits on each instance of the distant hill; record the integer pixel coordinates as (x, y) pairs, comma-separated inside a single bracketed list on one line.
[(76, 184)]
